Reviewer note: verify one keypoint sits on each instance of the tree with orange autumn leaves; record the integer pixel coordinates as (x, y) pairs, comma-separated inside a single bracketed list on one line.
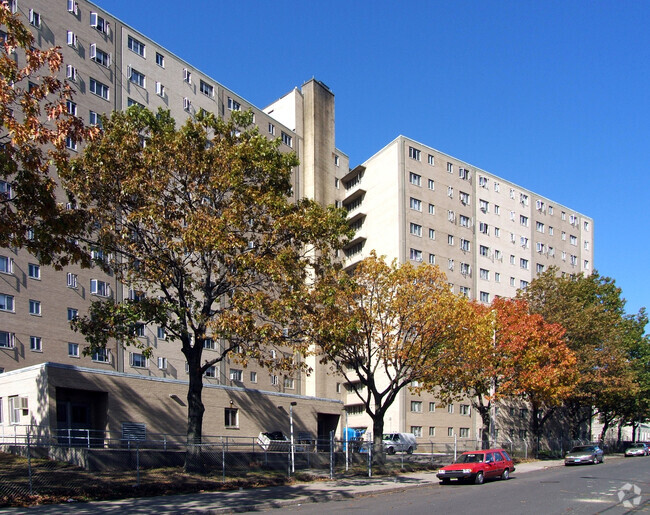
[(384, 326), (509, 353), (35, 126)]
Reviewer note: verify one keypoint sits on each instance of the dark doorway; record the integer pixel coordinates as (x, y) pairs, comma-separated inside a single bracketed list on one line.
[(81, 417), (326, 424)]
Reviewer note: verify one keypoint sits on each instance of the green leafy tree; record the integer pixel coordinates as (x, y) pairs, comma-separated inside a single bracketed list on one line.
[(201, 221), (384, 326), (35, 126), (592, 311)]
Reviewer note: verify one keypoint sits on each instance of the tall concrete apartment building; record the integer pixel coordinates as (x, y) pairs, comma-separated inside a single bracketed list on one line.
[(408, 201)]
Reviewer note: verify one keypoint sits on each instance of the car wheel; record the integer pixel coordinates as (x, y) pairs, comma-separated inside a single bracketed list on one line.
[(506, 475), (409, 450), (479, 478), (390, 450)]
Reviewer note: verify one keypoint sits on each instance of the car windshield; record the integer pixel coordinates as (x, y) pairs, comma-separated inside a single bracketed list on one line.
[(470, 458), (636, 446), (583, 448)]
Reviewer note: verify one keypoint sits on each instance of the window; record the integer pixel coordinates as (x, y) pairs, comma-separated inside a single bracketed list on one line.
[(463, 197), (94, 119), (464, 245), (35, 343), (101, 356), (523, 241), (136, 46), (523, 263), (450, 168), (485, 274), (253, 377), (7, 340), (539, 268), (450, 408), (286, 139), (14, 409), (73, 7), (432, 209), (187, 77), (71, 39), (6, 302), (139, 329), (432, 431), (523, 220), (73, 350), (464, 221), (484, 251), (208, 343), (206, 89), (450, 264), (451, 216), (484, 297), (233, 105), (162, 363), (161, 333), (417, 431), (6, 265), (551, 251), (72, 314), (236, 374), (573, 240), (416, 255), (450, 239), (416, 229), (464, 291), (70, 143), (450, 431), (271, 129), (231, 417), (337, 160), (288, 383), (432, 234), (497, 232), (465, 269), (136, 77), (512, 193), (450, 192), (160, 89), (432, 184), (539, 226), (414, 178), (484, 228), (563, 236), (70, 72), (100, 288), (99, 23), (99, 89), (512, 281), (497, 253), (160, 60), (463, 173), (72, 280), (416, 406), (211, 372), (586, 264), (512, 259), (497, 277), (187, 104), (574, 260), (497, 187), (414, 153), (483, 205), (6, 191), (431, 160), (416, 204), (274, 380), (523, 198), (463, 432), (33, 271), (540, 247), (464, 409), (550, 230), (71, 107), (432, 407), (482, 181)]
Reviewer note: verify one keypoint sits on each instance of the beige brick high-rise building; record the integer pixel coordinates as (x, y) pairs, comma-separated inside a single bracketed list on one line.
[(408, 201)]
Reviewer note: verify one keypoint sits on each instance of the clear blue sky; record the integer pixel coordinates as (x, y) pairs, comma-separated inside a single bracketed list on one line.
[(552, 95)]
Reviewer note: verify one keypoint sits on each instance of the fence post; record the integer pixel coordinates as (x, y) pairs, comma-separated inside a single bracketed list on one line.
[(331, 454), (371, 444), (223, 462), (525, 449), (137, 463), (88, 438), (29, 465)]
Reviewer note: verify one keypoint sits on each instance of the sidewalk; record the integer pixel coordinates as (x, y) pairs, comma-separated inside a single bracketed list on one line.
[(261, 498)]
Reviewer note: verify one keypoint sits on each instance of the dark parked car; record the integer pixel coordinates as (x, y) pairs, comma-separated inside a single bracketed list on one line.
[(478, 466), (584, 454)]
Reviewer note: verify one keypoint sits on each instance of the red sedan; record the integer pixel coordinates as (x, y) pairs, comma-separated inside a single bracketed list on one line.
[(477, 466)]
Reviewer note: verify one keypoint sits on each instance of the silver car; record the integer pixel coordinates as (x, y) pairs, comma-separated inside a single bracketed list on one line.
[(584, 454), (637, 449)]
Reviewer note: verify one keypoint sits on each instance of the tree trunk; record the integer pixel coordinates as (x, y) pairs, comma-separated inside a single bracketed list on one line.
[(195, 410), (379, 456), (603, 432), (484, 411)]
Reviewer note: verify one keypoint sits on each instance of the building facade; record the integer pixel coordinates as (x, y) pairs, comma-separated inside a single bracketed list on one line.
[(408, 201)]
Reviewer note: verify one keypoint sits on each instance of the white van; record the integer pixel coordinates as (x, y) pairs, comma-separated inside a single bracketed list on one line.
[(399, 442)]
